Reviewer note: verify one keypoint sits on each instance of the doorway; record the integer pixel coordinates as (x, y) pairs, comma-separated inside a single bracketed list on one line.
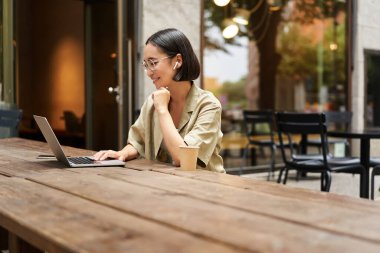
[(66, 59), (101, 73)]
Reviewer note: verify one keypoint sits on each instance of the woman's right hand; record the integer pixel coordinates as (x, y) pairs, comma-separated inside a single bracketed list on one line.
[(104, 154), (161, 98)]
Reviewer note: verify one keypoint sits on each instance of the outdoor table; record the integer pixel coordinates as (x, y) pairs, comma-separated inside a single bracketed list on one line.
[(153, 207), (365, 140)]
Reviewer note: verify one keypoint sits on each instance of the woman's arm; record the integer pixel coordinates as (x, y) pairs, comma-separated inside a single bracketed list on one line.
[(127, 153), (170, 134)]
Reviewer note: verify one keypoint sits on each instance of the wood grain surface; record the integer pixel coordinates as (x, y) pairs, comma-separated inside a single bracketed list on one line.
[(155, 207)]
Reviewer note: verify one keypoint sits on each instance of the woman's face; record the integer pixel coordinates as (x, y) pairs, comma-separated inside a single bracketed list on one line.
[(158, 66)]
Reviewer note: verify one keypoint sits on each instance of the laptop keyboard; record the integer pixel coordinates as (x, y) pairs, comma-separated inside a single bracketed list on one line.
[(81, 160)]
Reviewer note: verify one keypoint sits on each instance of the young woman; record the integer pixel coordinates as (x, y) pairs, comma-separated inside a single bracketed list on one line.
[(178, 112)]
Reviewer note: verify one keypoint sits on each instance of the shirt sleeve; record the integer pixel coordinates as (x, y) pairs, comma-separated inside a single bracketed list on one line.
[(136, 134), (206, 132)]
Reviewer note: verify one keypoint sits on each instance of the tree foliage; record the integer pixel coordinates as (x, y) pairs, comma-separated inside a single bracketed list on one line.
[(292, 54), (298, 54), (303, 11), (233, 90)]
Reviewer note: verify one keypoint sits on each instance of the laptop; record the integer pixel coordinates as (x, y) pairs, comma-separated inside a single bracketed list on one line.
[(80, 161)]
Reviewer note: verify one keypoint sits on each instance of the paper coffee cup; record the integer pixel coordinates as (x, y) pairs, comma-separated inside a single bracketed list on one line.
[(188, 157)]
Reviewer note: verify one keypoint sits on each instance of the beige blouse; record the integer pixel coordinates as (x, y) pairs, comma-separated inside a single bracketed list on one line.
[(199, 126)]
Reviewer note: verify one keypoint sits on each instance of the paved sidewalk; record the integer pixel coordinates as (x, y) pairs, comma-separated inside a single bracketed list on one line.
[(341, 183)]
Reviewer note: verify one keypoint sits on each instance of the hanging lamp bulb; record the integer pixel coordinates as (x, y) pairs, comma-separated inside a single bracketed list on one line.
[(241, 17), (221, 2), (230, 29)]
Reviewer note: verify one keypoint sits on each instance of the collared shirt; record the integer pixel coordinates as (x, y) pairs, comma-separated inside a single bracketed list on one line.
[(200, 125)]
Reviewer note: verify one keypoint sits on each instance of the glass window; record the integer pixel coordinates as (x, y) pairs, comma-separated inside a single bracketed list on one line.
[(289, 55), (294, 54), (372, 113)]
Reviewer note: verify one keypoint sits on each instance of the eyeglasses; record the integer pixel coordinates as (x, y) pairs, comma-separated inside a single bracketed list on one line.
[(151, 64)]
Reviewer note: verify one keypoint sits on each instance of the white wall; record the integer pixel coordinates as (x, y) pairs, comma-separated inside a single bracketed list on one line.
[(184, 15), (367, 29), (366, 25)]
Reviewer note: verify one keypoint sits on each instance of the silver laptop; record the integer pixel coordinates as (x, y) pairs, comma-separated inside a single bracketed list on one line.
[(81, 161)]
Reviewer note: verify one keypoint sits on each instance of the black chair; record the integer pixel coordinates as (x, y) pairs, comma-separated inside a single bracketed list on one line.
[(258, 127), (335, 120), (290, 124), (9, 121)]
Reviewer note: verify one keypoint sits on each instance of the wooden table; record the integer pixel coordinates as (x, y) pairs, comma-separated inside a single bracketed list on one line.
[(151, 207)]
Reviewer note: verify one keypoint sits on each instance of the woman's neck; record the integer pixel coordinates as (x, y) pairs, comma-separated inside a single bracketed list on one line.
[(179, 91)]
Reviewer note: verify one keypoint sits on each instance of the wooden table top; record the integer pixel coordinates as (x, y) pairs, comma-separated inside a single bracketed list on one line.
[(152, 207)]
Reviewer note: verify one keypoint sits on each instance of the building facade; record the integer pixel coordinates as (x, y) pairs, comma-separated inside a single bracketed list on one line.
[(366, 30), (18, 75)]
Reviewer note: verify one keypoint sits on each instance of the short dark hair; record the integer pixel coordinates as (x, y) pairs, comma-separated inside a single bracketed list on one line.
[(173, 42)]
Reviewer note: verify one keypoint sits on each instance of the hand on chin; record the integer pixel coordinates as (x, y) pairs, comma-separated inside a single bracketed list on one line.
[(160, 85), (157, 84)]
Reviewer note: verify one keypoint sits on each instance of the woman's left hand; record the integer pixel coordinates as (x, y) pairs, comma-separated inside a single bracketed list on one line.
[(161, 98)]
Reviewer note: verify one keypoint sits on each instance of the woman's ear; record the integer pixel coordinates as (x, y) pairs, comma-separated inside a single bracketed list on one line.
[(178, 63)]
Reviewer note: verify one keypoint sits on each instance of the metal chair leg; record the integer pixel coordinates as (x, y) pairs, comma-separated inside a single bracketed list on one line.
[(328, 181), (286, 175), (323, 181), (280, 175)]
